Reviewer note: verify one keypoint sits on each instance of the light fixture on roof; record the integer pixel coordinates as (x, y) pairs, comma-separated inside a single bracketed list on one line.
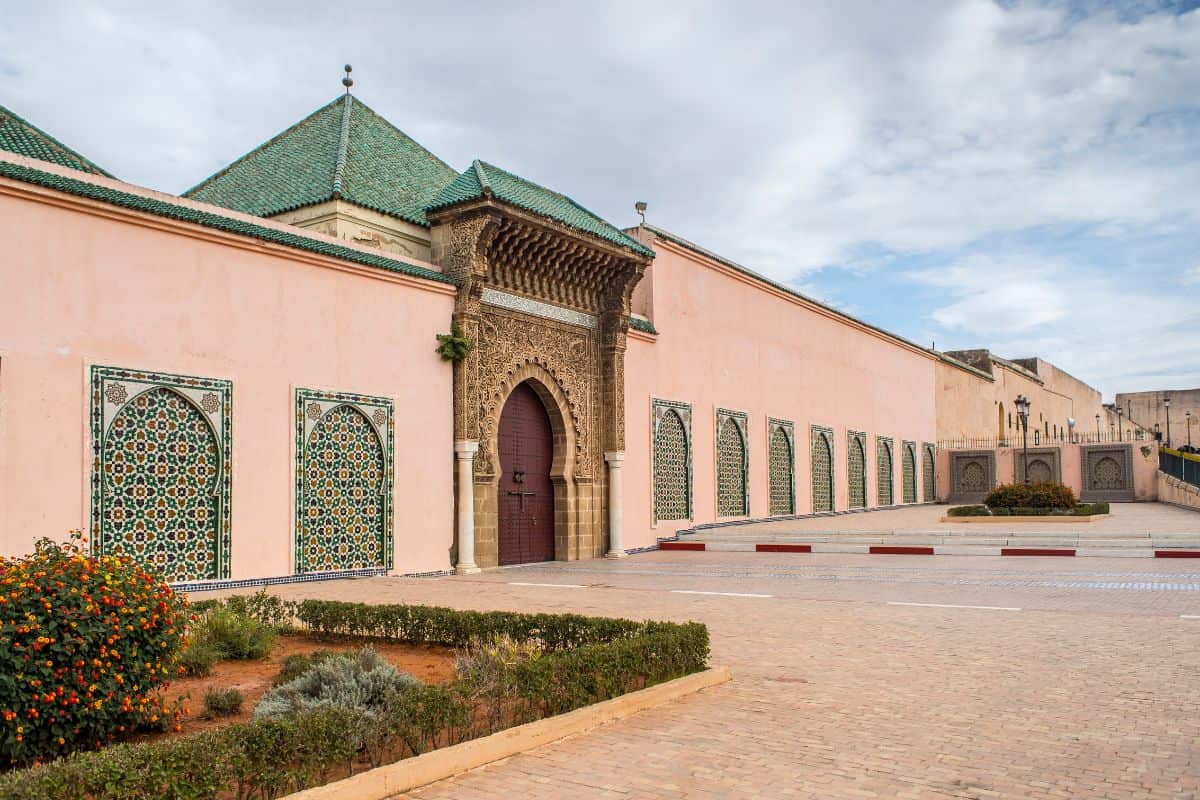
[(348, 81), (640, 207)]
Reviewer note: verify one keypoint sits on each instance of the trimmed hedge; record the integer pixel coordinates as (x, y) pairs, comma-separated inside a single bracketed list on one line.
[(1043, 494), (453, 628), (587, 660)]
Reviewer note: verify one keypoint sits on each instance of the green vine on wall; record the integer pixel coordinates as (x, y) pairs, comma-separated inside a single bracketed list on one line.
[(454, 346)]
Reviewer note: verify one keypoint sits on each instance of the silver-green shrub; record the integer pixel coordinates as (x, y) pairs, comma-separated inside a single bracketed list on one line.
[(359, 682)]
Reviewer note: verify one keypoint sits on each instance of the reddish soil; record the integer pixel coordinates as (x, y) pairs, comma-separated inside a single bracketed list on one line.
[(426, 663)]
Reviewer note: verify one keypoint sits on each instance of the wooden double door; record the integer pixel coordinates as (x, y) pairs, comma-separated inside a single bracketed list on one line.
[(526, 493)]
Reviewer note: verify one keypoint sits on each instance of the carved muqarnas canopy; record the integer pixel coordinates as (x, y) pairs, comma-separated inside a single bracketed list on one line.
[(534, 242)]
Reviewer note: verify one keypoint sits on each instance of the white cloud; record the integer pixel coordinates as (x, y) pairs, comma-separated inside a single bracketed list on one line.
[(989, 296), (788, 136)]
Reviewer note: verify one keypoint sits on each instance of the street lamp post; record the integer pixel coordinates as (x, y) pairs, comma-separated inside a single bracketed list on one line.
[(1120, 436), (1097, 427), (1167, 405), (1022, 403), (1188, 416)]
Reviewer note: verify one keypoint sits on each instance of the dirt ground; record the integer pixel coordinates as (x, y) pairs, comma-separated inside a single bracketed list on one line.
[(426, 663)]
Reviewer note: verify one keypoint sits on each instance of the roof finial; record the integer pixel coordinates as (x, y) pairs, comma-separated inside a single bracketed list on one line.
[(348, 81)]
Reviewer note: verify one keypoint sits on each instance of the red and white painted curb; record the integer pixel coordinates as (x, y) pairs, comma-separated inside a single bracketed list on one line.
[(924, 550)]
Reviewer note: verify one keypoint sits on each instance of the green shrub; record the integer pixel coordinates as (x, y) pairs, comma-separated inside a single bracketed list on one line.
[(488, 668), (222, 702), (233, 635), (197, 659), (269, 609), (357, 682), (297, 664), (1050, 494), (1043, 494), (968, 511), (86, 643), (1001, 511)]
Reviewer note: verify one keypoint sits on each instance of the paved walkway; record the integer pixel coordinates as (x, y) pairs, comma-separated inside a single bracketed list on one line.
[(1079, 679)]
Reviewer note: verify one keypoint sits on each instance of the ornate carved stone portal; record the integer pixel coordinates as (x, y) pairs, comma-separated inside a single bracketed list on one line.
[(548, 305)]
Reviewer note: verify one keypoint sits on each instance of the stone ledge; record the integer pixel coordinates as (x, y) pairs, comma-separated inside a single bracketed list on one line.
[(401, 776), (1175, 492), (1047, 518)]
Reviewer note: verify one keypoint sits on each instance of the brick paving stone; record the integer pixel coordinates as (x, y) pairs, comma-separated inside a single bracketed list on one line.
[(1089, 691)]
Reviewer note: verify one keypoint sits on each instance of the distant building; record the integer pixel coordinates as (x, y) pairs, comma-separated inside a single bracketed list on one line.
[(1150, 410)]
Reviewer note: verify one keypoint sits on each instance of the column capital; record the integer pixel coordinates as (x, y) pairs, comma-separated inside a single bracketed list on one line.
[(466, 449), (614, 458)]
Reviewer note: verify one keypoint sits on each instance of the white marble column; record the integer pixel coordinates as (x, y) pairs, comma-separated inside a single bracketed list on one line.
[(464, 454), (615, 460)]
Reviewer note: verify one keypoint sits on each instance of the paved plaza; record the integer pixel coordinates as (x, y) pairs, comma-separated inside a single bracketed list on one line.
[(1124, 518), (871, 676)]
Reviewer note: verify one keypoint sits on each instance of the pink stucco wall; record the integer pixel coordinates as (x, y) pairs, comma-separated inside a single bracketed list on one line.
[(732, 342), (86, 285)]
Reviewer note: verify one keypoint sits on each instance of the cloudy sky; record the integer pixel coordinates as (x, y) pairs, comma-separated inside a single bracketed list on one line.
[(1020, 176)]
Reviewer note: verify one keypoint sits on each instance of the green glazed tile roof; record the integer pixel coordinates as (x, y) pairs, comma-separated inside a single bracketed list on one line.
[(481, 179), (343, 149), (214, 220), (23, 138)]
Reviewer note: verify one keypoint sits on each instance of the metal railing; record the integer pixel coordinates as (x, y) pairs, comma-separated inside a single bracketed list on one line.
[(1184, 466)]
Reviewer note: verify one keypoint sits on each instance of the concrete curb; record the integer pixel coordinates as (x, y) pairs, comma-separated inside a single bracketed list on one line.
[(392, 779), (928, 550), (1054, 519)]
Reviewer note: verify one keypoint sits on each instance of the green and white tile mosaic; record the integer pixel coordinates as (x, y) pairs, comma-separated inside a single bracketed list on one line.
[(671, 424), (822, 468), (161, 472), (732, 463), (928, 473), (781, 466), (856, 468), (343, 481), (883, 470), (909, 471)]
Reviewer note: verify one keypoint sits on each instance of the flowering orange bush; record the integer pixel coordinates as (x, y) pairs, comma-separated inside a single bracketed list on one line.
[(86, 643)]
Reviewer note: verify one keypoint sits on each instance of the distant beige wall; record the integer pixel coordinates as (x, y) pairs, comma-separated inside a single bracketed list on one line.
[(969, 406), (1147, 409)]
